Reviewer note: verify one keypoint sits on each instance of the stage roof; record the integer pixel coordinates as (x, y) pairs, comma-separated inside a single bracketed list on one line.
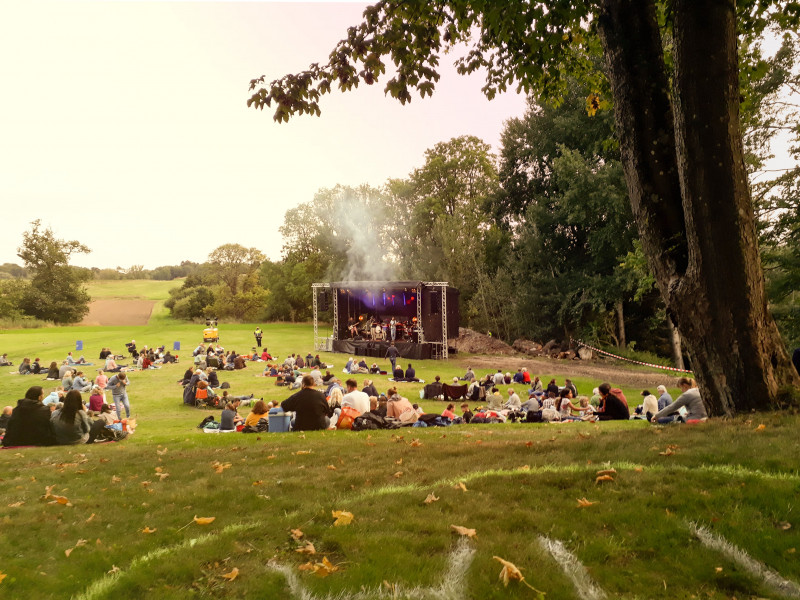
[(375, 285)]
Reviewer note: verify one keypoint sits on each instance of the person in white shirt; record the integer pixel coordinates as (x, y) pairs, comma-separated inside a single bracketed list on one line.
[(355, 397), (513, 403)]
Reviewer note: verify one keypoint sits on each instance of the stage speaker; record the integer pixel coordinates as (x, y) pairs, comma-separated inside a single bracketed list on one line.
[(323, 301), (436, 302)]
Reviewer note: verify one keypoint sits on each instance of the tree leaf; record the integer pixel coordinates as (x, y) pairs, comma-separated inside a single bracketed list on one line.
[(296, 534), (600, 478), (431, 499), (148, 530), (234, 573), (584, 503), (307, 549), (470, 533), (342, 517), (204, 520)]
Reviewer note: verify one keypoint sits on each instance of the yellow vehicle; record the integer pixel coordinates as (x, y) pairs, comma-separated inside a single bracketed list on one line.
[(210, 334)]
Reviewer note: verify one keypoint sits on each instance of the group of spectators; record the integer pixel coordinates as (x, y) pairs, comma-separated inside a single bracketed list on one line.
[(62, 418)]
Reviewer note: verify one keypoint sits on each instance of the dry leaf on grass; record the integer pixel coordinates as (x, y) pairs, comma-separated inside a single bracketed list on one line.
[(259, 482), (68, 551), (431, 499), (89, 520), (296, 534), (342, 517), (309, 566), (271, 456), (529, 444), (607, 472), (398, 475), (60, 500), (331, 468), (307, 549), (16, 504), (785, 525), (461, 486), (114, 570), (2, 576), (470, 533), (203, 520), (325, 568), (115, 479), (761, 427), (510, 572), (600, 478), (144, 483), (301, 452), (415, 443), (667, 452), (161, 452), (220, 467), (584, 503), (399, 461), (148, 530), (162, 476), (232, 575), (525, 468)]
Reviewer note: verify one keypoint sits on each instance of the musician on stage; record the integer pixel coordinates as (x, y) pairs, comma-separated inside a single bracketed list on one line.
[(393, 329)]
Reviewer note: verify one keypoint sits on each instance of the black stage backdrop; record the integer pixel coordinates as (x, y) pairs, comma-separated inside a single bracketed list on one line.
[(378, 349)]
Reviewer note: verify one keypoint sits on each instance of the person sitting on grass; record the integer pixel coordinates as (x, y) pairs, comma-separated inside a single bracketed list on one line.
[(71, 360), (29, 424), (299, 362), (588, 409), (66, 381), (80, 384), (566, 407), (513, 402), (71, 424), (266, 355), (212, 378), (230, 418), (52, 372), (355, 398), (611, 408), (4, 362), (4, 417), (400, 408), (54, 397), (239, 363), (369, 388), (258, 412), (96, 399), (112, 366), (466, 413), (312, 411), (531, 404), (25, 368), (495, 400), (448, 412), (689, 398), (411, 374)]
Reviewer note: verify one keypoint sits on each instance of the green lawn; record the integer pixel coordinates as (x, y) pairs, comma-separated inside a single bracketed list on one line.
[(145, 289), (520, 485)]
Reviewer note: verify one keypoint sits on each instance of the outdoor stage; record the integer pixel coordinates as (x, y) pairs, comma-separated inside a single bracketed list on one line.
[(425, 315)]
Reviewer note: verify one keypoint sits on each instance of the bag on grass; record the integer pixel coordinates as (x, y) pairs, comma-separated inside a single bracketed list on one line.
[(346, 418)]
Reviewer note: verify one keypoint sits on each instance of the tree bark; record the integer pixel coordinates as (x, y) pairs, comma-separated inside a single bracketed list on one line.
[(675, 342), (690, 195), (622, 342)]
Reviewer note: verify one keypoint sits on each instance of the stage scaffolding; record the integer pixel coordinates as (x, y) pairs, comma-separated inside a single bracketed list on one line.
[(323, 344)]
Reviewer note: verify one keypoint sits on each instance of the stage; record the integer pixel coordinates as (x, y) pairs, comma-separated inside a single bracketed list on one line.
[(426, 315), (377, 349)]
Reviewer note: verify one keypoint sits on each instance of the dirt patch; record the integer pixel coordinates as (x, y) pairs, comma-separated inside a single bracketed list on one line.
[(119, 312), (473, 342)]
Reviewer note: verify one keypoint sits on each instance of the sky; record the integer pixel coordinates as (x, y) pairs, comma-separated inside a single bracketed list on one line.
[(124, 124)]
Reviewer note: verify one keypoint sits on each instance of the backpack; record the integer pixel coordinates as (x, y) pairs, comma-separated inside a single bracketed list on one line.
[(204, 422), (346, 418)]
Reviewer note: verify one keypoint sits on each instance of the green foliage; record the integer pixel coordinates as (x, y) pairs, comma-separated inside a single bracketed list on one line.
[(56, 291), (12, 292)]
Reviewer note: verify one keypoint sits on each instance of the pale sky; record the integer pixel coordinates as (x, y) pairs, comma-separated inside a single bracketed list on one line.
[(124, 124)]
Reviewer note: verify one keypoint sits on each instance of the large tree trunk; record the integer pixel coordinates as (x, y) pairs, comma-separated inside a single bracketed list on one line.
[(622, 342), (690, 196)]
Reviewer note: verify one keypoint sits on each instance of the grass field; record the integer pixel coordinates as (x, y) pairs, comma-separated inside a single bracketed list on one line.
[(517, 485), (135, 289)]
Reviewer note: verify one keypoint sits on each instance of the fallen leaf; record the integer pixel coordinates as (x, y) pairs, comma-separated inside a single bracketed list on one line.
[(145, 483), (301, 452), (307, 549), (331, 468), (259, 482), (470, 533), (80, 543), (159, 469), (529, 444), (761, 427), (2, 576), (785, 525), (510, 572), (399, 462), (603, 478), (325, 568), (398, 475), (584, 503), (232, 575), (16, 504), (461, 486), (415, 443), (89, 520), (114, 570), (638, 469), (271, 456), (60, 500), (667, 452), (718, 569), (161, 452), (115, 479), (342, 517), (220, 467), (163, 476), (431, 499), (297, 534), (203, 520), (607, 472), (525, 468), (148, 530), (105, 460), (48, 491), (68, 551), (309, 566)]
